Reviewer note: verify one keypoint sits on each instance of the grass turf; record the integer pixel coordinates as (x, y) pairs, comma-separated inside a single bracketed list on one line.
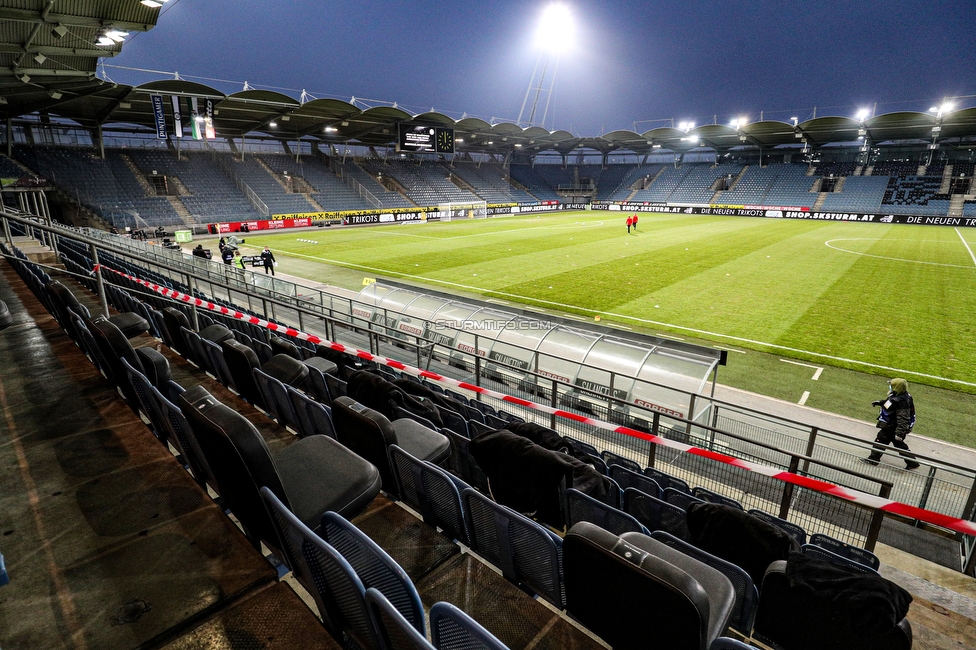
[(882, 299)]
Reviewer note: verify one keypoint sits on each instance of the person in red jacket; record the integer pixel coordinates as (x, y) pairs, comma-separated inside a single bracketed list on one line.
[(635, 221), (630, 222)]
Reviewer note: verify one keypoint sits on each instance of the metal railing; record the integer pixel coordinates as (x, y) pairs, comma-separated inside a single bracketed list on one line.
[(245, 189)]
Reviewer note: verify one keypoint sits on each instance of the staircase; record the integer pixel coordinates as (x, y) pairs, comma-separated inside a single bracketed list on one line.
[(867, 172), (811, 170), (181, 210), (946, 180), (956, 202), (273, 175), (139, 174), (315, 204), (821, 197)]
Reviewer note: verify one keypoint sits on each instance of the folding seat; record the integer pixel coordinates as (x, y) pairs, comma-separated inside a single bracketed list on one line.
[(404, 413), (636, 592), (582, 446), (174, 319), (215, 361), (824, 605), (666, 480), (216, 333), (683, 500), (612, 459), (311, 476), (463, 465), (656, 514), (112, 347), (794, 531), (821, 553), (582, 507), (859, 555), (315, 384), (738, 537), (374, 567), (280, 345), (452, 420), (181, 437), (746, 594), (274, 392), (336, 386), (430, 491), (477, 428), (625, 478), (314, 418), (194, 351), (146, 401), (452, 629), (714, 497), (527, 553), (64, 301), (241, 361), (394, 631), (335, 586), (369, 433)]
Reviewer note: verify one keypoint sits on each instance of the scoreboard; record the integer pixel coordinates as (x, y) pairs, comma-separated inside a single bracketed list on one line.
[(425, 139)]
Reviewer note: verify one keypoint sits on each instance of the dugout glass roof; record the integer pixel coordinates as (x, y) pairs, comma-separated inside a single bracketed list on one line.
[(575, 355)]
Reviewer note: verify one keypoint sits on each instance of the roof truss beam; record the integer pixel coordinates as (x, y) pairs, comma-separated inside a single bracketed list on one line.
[(46, 17)]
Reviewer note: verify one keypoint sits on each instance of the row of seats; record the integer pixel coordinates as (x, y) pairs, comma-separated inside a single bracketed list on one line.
[(361, 419)]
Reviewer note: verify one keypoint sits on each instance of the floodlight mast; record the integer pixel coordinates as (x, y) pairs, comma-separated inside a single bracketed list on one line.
[(553, 36)]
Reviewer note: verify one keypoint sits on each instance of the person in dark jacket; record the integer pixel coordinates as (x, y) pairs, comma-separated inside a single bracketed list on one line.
[(895, 422), (227, 254), (269, 261)]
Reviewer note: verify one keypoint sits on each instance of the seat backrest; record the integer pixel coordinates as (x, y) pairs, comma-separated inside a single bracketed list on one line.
[(477, 428), (746, 593), (527, 553), (315, 382), (794, 531), (216, 333), (626, 592), (331, 580), (114, 347), (656, 514), (666, 480), (240, 361), (404, 413), (859, 555), (314, 418), (174, 319), (714, 497), (216, 362), (155, 365), (626, 478), (452, 629), (284, 346), (147, 401), (395, 631), (367, 433), (680, 498), (194, 350), (612, 459), (582, 507), (463, 464), (585, 447), (454, 421), (337, 387), (181, 436), (829, 556), (278, 400), (431, 492), (374, 567), (239, 458)]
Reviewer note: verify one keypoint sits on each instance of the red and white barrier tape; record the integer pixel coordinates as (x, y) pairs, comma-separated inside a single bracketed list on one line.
[(854, 496)]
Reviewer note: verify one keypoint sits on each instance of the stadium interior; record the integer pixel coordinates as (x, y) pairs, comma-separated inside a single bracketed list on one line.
[(198, 456)]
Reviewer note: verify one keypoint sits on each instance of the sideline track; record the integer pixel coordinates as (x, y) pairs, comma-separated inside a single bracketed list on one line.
[(854, 496)]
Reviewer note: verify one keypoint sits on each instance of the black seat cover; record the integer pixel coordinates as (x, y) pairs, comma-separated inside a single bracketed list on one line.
[(174, 319), (155, 366), (241, 360), (286, 369), (216, 333), (311, 476), (635, 592), (284, 346)]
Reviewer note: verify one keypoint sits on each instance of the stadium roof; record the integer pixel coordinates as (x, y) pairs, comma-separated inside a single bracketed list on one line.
[(49, 51)]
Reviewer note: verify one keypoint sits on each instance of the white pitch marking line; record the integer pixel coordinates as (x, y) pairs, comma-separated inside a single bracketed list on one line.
[(719, 347), (498, 302), (803, 400), (668, 336), (818, 369), (966, 245)]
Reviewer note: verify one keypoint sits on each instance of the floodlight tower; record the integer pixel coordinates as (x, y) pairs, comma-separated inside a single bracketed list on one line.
[(553, 37)]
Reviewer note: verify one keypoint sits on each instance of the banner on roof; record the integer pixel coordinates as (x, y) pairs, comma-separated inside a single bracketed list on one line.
[(208, 119), (177, 117), (159, 115), (195, 118)]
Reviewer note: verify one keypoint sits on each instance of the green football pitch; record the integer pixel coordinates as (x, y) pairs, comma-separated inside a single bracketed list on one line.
[(873, 299)]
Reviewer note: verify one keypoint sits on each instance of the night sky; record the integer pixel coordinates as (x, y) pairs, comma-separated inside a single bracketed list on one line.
[(632, 61)]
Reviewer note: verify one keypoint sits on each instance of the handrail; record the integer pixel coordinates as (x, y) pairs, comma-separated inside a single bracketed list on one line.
[(251, 195)]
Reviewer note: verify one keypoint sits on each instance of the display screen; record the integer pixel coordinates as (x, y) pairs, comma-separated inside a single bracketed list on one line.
[(425, 139)]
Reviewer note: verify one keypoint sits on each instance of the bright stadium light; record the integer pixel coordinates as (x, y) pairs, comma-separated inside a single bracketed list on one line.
[(863, 113), (686, 126), (557, 29)]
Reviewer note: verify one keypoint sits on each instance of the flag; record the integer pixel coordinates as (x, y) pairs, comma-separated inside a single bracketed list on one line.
[(160, 117), (208, 120), (177, 117), (195, 118)]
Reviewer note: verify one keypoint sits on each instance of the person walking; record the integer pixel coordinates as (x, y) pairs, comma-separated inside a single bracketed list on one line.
[(238, 260), (227, 254), (895, 422), (630, 222), (269, 260), (635, 221)]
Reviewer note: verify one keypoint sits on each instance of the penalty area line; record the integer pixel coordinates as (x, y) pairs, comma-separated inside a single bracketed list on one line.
[(964, 243), (635, 319)]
